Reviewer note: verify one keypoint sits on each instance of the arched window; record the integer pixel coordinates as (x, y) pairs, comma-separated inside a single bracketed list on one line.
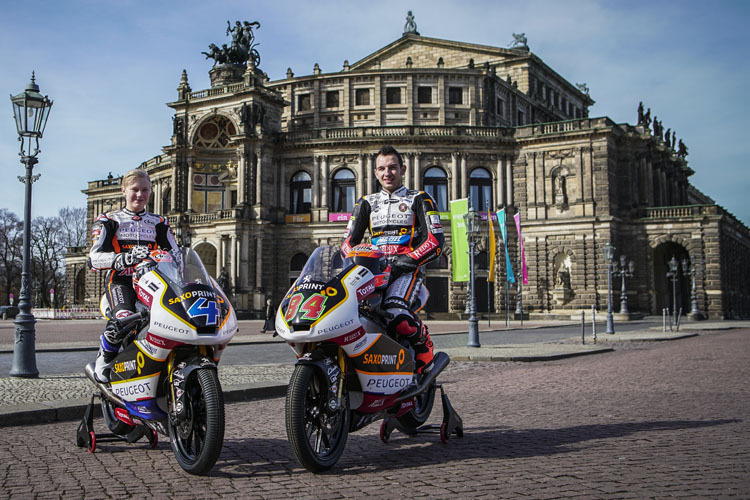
[(300, 194), (343, 190), (215, 133), (166, 201), (436, 185), (480, 189)]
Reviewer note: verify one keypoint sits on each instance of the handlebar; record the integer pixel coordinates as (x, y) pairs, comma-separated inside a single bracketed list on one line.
[(128, 321)]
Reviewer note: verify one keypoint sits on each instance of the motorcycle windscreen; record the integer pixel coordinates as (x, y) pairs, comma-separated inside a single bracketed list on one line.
[(196, 304)]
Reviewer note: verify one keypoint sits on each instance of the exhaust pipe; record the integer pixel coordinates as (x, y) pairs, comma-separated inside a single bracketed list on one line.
[(439, 363), (106, 389)]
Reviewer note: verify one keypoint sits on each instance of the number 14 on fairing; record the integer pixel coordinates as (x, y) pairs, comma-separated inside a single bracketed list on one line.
[(205, 307)]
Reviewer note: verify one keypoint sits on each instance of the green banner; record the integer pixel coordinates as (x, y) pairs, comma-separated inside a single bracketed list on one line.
[(460, 242)]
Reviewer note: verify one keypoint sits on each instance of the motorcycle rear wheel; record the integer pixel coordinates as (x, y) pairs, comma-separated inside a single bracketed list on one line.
[(197, 442), (115, 425), (417, 417), (317, 435)]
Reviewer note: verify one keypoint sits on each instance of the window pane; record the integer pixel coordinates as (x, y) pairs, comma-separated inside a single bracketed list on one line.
[(304, 102), (424, 95), (199, 201), (393, 95), (213, 200), (332, 99), (362, 97), (455, 95)]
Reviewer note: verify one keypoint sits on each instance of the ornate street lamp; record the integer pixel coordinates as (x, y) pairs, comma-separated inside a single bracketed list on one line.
[(31, 111), (625, 270), (609, 252), (472, 220), (695, 313), (673, 274)]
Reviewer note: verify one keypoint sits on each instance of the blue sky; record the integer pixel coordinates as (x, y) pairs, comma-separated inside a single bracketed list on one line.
[(111, 65)]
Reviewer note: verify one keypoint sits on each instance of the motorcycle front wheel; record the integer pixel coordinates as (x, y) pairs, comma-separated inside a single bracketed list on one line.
[(198, 438), (317, 435)]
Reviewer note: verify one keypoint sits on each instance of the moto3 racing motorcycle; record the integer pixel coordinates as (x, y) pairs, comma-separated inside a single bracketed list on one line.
[(164, 379), (349, 372)]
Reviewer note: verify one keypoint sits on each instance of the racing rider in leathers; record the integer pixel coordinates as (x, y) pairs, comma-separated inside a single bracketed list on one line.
[(405, 225), (123, 238)]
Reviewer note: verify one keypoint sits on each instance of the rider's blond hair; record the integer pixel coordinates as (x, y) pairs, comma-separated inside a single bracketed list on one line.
[(134, 174)]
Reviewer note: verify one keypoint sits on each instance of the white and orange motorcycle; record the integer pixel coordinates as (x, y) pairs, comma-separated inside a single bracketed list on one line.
[(164, 379), (349, 371)]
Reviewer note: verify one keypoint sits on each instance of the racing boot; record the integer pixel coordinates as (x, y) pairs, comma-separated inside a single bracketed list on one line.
[(103, 363), (423, 349)]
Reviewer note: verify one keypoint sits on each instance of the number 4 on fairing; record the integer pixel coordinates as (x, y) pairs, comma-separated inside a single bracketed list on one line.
[(205, 307)]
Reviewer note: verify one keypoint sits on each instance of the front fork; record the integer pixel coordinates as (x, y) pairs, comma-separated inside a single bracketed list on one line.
[(178, 375), (333, 369)]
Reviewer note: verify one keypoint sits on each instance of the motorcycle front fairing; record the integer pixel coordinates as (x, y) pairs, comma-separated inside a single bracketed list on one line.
[(315, 311)]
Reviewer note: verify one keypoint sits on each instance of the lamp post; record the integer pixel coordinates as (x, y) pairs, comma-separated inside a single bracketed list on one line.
[(472, 232), (30, 111), (695, 313), (609, 252), (673, 274), (625, 270)]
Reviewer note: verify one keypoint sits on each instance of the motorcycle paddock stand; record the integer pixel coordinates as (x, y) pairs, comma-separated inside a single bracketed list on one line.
[(452, 423), (86, 437)]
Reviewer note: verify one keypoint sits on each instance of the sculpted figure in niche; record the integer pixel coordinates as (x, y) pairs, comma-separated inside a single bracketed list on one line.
[(563, 277), (561, 196)]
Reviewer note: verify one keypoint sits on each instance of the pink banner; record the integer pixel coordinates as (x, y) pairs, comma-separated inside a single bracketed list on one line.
[(339, 216), (524, 272)]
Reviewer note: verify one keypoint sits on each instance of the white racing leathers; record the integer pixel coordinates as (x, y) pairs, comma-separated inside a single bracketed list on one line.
[(405, 225)]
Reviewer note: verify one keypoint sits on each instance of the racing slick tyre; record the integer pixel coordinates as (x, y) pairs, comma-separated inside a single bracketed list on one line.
[(197, 438), (317, 434)]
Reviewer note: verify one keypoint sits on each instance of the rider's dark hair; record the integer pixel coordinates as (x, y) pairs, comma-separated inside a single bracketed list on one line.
[(389, 150)]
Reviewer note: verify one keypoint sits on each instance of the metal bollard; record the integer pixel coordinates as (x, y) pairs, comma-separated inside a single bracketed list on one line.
[(679, 316), (583, 328), (593, 322), (663, 320)]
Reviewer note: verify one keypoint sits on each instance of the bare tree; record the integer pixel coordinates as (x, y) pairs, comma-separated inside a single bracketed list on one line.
[(72, 226), (11, 243), (48, 264)]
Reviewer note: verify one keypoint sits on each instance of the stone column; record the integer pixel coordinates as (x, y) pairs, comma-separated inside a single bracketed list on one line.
[(360, 176), (283, 187), (455, 174), (316, 183), (408, 182), (418, 184), (258, 263), (464, 178), (234, 268), (500, 181), (258, 177), (369, 173), (219, 256), (509, 181), (241, 176), (324, 182), (190, 185)]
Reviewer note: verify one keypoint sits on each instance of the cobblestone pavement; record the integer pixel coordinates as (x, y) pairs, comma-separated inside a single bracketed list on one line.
[(663, 420)]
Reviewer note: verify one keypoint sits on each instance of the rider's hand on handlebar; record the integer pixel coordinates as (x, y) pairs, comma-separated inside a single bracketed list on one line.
[(404, 264), (131, 258)]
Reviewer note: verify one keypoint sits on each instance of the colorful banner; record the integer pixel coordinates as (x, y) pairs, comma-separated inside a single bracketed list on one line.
[(491, 275), (524, 272), (510, 277), (459, 240)]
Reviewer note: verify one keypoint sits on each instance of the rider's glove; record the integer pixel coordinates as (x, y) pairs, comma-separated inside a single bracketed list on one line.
[(125, 260), (403, 264)]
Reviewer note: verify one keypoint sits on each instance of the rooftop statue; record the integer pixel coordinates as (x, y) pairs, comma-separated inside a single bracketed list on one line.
[(410, 26), (519, 40), (242, 48)]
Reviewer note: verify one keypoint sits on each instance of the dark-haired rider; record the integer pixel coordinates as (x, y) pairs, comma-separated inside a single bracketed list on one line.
[(405, 225)]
